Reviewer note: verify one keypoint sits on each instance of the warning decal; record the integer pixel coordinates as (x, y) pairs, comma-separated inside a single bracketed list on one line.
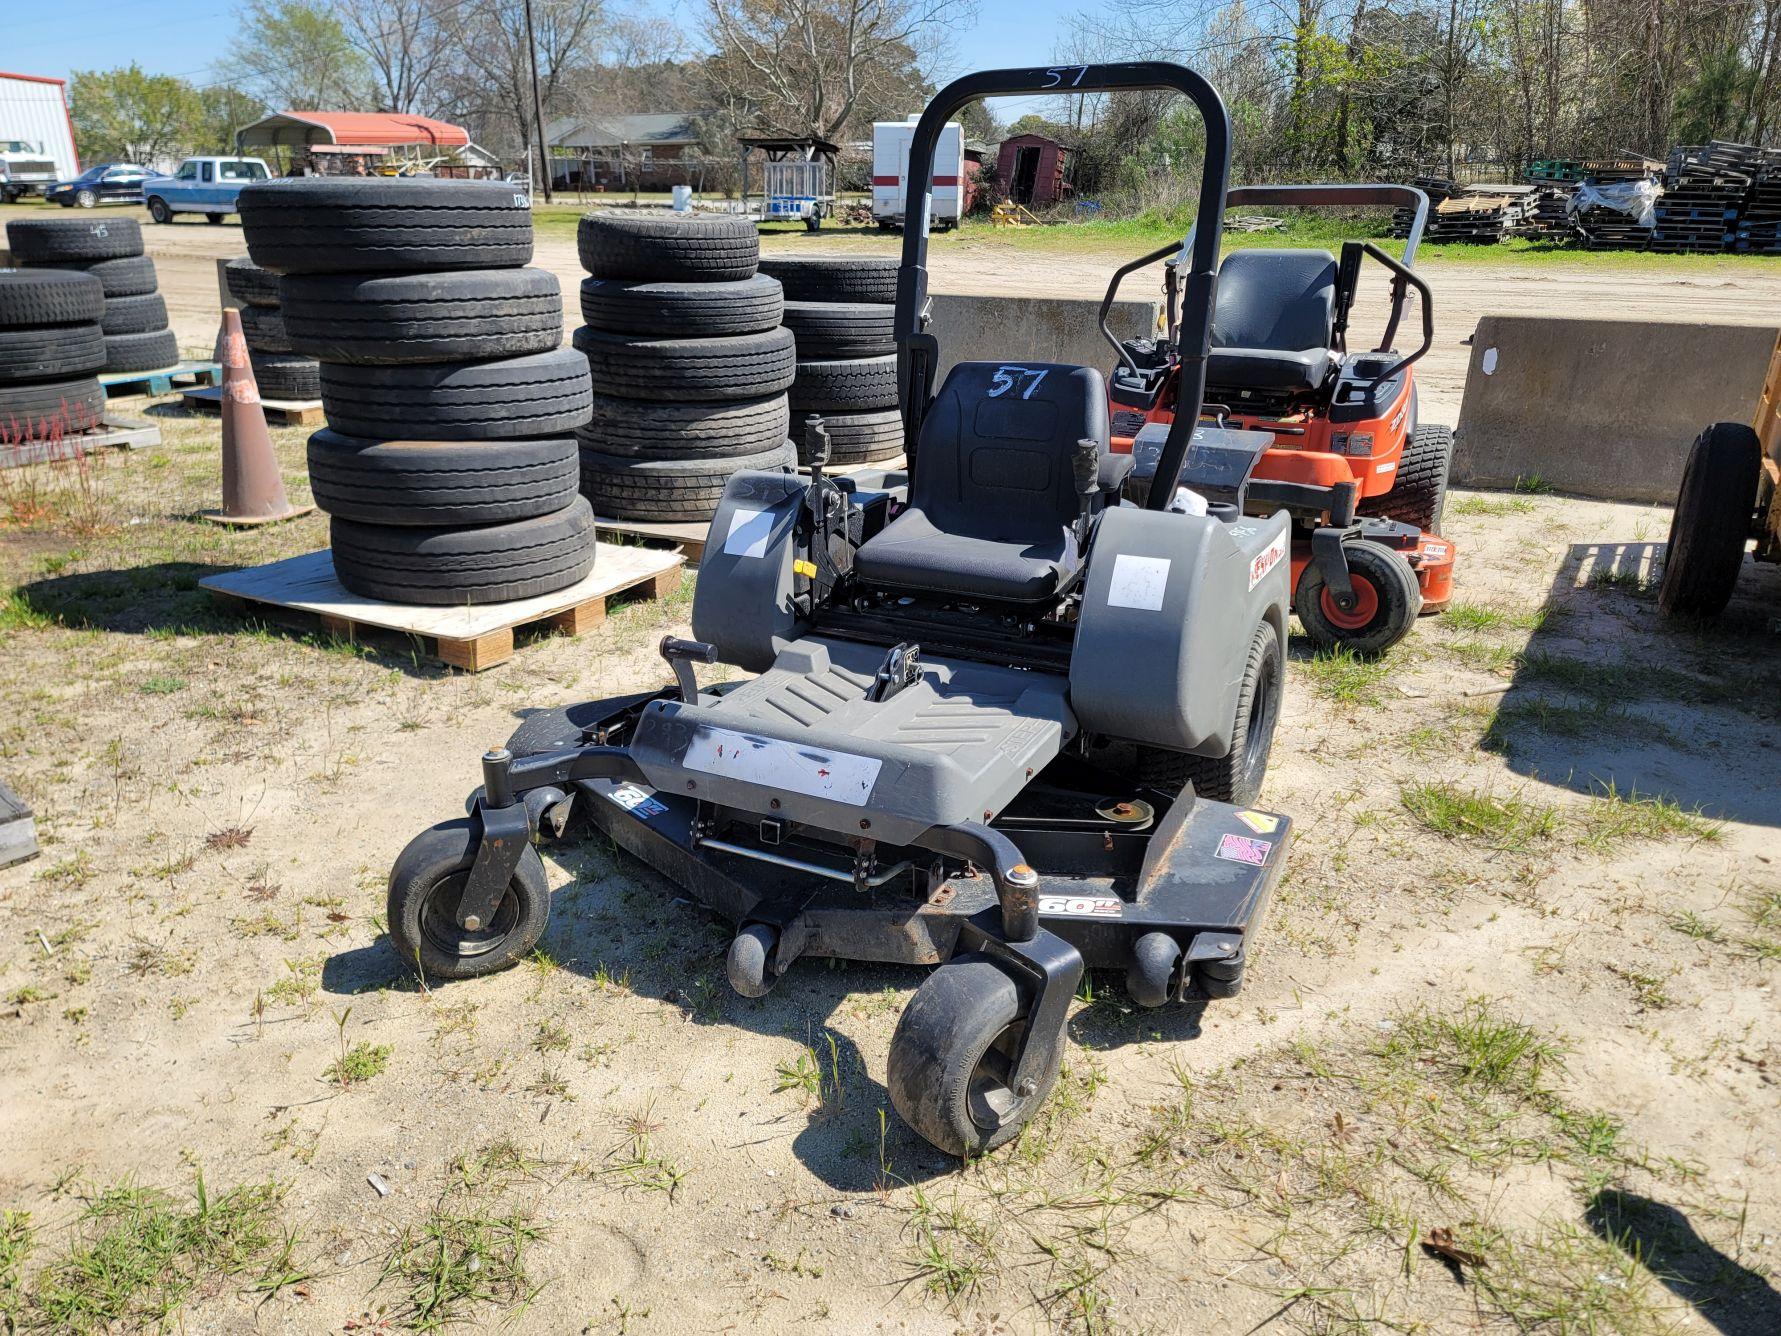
[(1262, 823), (1267, 559), (1242, 849)]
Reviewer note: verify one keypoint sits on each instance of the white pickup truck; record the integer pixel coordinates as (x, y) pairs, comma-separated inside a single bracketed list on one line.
[(202, 185)]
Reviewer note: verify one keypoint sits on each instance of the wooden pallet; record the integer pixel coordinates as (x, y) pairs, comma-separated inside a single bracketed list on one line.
[(111, 434), (18, 829), (473, 638), (167, 380), (279, 412)]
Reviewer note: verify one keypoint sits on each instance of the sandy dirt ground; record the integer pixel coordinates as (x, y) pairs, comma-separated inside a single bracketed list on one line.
[(1517, 984), (185, 254)]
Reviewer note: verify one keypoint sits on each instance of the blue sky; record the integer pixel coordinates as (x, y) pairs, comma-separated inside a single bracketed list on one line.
[(184, 37)]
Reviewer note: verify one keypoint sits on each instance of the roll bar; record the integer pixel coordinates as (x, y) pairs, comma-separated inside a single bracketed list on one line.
[(918, 351)]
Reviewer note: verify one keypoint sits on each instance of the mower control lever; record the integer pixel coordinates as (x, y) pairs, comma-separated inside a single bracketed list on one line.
[(901, 668), (681, 656)]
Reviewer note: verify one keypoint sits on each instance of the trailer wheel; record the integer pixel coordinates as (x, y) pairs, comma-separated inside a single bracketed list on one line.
[(1711, 523), (425, 884), (1235, 777), (952, 1058), (1387, 601)]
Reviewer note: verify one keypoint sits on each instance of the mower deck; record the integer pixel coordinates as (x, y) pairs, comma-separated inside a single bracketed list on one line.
[(1111, 866)]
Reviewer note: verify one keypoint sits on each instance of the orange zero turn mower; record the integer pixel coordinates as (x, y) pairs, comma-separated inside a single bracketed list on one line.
[(1363, 480)]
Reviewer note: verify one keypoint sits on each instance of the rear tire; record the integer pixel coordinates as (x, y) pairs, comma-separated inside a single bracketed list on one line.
[(134, 315), (951, 1058), (127, 276), (44, 410), (841, 329), (1237, 776), (1711, 525), (1419, 495), (158, 210), (33, 298), (1389, 603), (52, 352)]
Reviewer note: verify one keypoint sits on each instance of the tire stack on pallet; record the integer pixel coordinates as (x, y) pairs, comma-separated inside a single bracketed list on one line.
[(447, 466), (689, 364), (134, 322), (279, 373), (840, 313), (50, 346)]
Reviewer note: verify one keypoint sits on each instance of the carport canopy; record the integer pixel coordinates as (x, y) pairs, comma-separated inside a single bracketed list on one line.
[(301, 129)]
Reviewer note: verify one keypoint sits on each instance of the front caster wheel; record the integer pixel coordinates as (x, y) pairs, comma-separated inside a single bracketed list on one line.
[(425, 885), (746, 963), (1150, 976), (952, 1058), (1387, 600)]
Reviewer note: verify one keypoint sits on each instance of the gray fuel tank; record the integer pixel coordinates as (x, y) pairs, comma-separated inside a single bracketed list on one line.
[(1169, 607)]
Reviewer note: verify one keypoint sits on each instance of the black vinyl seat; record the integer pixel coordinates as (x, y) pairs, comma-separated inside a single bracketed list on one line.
[(1274, 320), (993, 510)]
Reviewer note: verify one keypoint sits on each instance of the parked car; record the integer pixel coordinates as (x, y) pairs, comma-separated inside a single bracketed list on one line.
[(202, 185), (107, 183)]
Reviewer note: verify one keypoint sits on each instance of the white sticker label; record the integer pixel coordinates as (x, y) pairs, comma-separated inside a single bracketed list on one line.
[(1081, 906), (749, 532), (1138, 582), (1385, 468), (794, 767), (1267, 559), (635, 800)]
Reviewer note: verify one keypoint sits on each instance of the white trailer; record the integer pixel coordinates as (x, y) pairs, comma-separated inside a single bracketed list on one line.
[(36, 135), (890, 173)]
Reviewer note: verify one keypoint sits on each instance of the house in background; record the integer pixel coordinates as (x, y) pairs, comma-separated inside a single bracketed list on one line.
[(1031, 169), (644, 152)]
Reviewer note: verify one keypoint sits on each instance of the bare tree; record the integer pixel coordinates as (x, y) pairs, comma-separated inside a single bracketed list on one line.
[(809, 66), (408, 45), (497, 72)]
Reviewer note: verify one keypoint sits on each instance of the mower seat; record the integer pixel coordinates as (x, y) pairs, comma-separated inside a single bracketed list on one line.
[(993, 507), (1274, 320)]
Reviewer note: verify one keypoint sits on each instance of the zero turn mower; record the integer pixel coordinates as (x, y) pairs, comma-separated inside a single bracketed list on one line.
[(1363, 480), (1008, 728)]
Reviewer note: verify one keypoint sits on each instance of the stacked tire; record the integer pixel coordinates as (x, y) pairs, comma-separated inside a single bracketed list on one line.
[(688, 361), (134, 321), (448, 466), (50, 346), (840, 312), (279, 372)]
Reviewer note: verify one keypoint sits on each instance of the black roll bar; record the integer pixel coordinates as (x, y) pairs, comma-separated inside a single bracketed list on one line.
[(918, 351)]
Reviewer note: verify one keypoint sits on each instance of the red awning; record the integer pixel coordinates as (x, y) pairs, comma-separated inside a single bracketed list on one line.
[(352, 127)]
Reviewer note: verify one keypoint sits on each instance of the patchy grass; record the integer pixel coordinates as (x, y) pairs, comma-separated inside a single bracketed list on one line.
[(1566, 719), (137, 1254), (16, 1241), (1470, 814), (1340, 674), (359, 1064), (1489, 505), (1612, 818), (460, 1258)]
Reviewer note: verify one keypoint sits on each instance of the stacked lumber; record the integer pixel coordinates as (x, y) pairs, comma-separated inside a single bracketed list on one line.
[(1481, 213)]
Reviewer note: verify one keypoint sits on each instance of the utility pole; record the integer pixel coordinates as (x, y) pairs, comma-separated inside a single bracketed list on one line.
[(537, 104)]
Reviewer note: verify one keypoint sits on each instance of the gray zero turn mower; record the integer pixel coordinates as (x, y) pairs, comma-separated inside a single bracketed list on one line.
[(1009, 726)]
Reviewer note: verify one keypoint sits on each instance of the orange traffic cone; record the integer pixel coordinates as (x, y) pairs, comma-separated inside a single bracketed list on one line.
[(253, 492)]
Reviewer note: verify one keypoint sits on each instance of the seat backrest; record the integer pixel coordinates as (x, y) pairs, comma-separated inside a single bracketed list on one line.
[(1280, 300), (998, 443)]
